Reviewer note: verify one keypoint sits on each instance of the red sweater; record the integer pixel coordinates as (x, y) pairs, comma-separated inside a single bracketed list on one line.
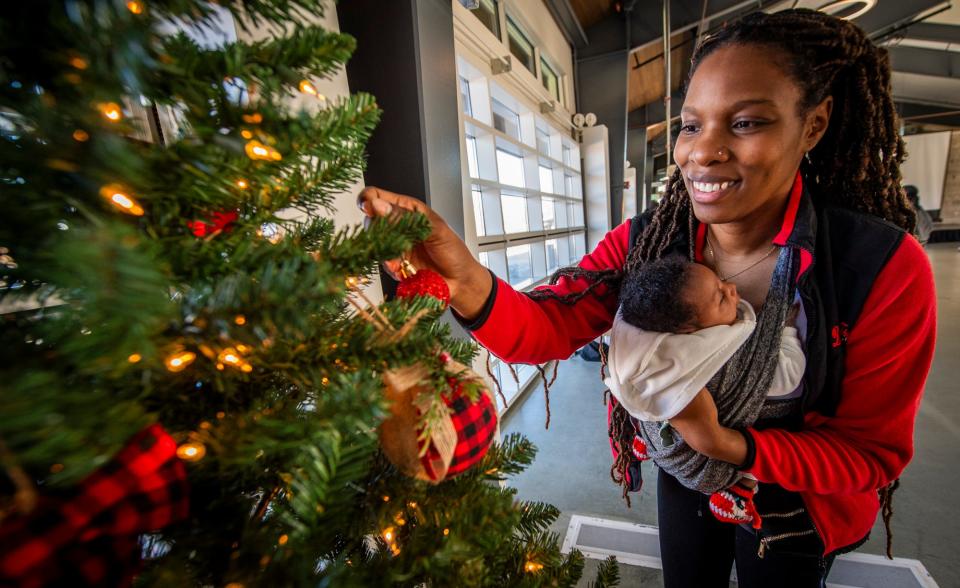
[(837, 463)]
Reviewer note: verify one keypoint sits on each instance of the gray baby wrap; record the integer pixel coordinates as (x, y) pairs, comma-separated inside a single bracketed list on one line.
[(739, 389)]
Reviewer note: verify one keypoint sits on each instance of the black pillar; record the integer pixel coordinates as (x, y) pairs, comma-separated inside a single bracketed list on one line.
[(405, 58)]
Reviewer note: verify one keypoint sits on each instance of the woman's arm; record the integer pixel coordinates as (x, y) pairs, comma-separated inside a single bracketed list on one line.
[(510, 324), (516, 328), (869, 441)]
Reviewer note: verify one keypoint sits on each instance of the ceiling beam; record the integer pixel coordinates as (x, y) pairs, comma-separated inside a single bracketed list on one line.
[(929, 31), (930, 62)]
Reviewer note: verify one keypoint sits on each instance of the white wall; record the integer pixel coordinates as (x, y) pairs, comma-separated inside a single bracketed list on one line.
[(537, 20), (926, 166)]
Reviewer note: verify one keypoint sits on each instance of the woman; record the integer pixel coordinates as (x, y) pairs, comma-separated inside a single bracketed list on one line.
[(788, 186)]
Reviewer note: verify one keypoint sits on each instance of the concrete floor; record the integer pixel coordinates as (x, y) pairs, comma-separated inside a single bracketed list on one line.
[(572, 468)]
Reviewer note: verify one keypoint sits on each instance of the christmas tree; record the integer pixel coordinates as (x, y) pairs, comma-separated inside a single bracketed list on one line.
[(193, 384)]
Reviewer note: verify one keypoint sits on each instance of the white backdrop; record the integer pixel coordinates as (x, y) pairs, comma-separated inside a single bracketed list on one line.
[(926, 166)]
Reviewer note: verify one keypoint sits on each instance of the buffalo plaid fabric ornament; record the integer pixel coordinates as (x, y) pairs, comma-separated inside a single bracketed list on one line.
[(422, 282), (219, 222), (735, 505), (88, 536), (430, 446)]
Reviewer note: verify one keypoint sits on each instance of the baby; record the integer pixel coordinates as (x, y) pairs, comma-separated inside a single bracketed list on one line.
[(677, 326)]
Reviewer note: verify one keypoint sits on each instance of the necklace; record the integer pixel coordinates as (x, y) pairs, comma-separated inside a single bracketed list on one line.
[(716, 262)]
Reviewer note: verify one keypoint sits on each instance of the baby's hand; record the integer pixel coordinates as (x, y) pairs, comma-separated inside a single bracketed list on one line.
[(791, 320)]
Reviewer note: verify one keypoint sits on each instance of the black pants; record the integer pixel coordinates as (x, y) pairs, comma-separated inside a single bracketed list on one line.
[(698, 551)]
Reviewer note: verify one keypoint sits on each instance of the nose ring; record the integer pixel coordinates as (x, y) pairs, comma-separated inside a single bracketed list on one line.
[(721, 153)]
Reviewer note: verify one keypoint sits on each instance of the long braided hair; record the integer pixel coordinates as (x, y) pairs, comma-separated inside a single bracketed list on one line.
[(856, 164)]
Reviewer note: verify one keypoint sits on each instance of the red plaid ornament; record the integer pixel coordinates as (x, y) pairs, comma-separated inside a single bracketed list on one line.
[(219, 222), (457, 441), (89, 535)]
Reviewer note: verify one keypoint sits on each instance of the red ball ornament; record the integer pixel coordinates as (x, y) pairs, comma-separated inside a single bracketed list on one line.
[(422, 282)]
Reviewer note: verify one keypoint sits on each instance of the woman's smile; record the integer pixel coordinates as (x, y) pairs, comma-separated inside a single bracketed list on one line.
[(710, 190)]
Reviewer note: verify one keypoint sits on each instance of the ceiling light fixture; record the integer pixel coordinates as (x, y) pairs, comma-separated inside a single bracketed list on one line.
[(848, 9)]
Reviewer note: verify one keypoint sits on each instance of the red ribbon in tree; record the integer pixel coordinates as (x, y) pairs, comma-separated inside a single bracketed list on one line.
[(90, 536), (219, 222)]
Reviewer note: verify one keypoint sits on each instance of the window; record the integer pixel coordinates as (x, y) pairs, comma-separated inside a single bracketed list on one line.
[(519, 265), (546, 180), (568, 186), (520, 46), (553, 255), (478, 210), (465, 96), (567, 156), (514, 213), (472, 157), (549, 214), (487, 13), (510, 168), (543, 142), (505, 120), (550, 81)]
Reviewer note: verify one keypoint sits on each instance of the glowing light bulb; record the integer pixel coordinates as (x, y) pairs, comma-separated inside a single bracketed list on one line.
[(307, 88), (246, 134), (134, 357), (253, 119), (283, 539), (79, 63), (121, 200), (134, 7), (446, 532), (240, 319), (111, 110), (242, 184), (81, 135), (532, 567), (191, 451), (180, 360)]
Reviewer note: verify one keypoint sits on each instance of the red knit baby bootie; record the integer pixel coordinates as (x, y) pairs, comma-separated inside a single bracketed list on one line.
[(639, 448), (735, 505)]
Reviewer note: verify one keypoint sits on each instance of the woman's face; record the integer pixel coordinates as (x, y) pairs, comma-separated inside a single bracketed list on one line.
[(742, 136)]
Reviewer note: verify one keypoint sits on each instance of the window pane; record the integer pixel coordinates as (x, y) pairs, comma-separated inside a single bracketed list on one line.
[(472, 157), (567, 154), (568, 186), (560, 210), (581, 244), (549, 216), (553, 255), (487, 13), (549, 79), (520, 46), (543, 142), (495, 261), (519, 266), (514, 213), (465, 96), (510, 168), (505, 120), (478, 211), (546, 180)]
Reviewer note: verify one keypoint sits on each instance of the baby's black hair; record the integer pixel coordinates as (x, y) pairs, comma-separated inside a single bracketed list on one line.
[(650, 296)]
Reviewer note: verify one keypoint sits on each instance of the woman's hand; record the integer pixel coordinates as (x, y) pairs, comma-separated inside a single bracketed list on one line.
[(443, 251)]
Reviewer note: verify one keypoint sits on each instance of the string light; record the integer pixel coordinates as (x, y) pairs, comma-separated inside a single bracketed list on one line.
[(386, 498), (242, 184), (240, 319), (257, 150), (352, 282), (179, 361), (80, 135), (283, 539), (56, 468), (231, 356), (246, 134), (191, 451), (111, 110), (307, 88), (79, 62), (532, 567), (389, 536), (134, 7), (446, 532), (121, 200), (134, 357), (255, 118)]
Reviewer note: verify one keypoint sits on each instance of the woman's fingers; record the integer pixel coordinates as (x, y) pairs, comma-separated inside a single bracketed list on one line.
[(379, 202)]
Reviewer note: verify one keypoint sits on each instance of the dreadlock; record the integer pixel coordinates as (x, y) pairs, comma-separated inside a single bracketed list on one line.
[(855, 165)]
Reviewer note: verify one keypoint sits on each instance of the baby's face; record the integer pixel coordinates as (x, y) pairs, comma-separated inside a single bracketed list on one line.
[(714, 301)]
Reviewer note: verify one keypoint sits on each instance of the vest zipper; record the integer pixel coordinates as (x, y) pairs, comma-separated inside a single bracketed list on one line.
[(766, 541), (783, 515)]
